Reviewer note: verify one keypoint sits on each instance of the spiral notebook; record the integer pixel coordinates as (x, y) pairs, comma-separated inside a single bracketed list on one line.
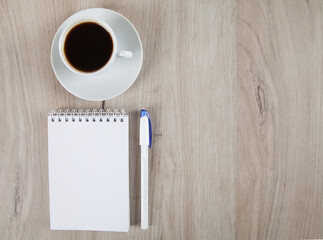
[(88, 154)]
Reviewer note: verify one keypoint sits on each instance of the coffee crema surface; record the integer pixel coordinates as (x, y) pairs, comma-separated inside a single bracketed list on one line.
[(88, 47)]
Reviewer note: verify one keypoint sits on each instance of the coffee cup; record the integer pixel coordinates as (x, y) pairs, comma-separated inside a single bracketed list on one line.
[(88, 46)]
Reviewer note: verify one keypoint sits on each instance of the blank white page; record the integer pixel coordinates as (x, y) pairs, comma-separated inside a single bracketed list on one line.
[(89, 175)]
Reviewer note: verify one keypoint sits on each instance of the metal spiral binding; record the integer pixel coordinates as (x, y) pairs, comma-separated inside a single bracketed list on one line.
[(51, 114), (73, 112), (66, 114), (88, 115), (79, 114), (59, 114), (87, 112)]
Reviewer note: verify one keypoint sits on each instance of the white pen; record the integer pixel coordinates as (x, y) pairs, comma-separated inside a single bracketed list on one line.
[(145, 141)]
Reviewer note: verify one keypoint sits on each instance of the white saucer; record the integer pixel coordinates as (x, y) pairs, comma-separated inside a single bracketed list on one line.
[(113, 81)]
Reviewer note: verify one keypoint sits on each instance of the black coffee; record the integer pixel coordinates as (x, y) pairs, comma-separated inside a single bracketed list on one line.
[(88, 47)]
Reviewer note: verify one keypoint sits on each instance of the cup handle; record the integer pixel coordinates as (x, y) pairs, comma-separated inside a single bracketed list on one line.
[(125, 54)]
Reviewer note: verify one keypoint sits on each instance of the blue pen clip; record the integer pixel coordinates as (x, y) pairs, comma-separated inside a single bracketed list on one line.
[(145, 113)]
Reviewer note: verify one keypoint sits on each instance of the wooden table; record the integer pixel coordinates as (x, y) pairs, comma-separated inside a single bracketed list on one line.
[(235, 90)]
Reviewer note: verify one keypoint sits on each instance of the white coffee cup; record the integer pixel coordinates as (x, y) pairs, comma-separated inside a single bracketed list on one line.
[(115, 51)]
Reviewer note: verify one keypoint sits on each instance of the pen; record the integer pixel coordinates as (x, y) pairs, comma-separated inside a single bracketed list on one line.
[(145, 141)]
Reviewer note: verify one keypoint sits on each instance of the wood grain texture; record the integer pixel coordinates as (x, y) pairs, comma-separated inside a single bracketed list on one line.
[(279, 184), (235, 93)]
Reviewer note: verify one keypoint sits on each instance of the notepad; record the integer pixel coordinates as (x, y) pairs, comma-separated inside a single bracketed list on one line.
[(88, 153)]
